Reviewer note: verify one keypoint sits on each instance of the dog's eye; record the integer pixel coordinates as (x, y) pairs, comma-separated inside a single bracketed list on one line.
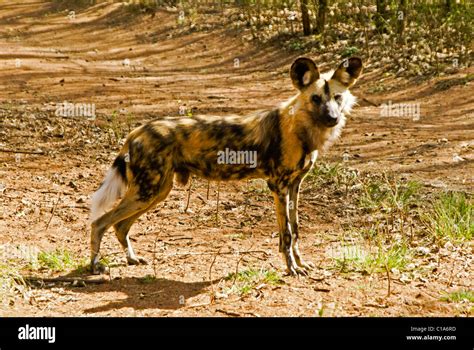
[(338, 98), (316, 99)]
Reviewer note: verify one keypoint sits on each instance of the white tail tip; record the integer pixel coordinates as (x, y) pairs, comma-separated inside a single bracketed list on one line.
[(111, 189)]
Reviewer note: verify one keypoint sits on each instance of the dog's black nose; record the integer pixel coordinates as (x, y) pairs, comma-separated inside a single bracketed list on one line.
[(330, 121)]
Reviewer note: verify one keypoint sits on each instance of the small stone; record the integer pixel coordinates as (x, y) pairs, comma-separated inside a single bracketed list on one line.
[(72, 185), (449, 246), (219, 295), (405, 278), (457, 158), (423, 250)]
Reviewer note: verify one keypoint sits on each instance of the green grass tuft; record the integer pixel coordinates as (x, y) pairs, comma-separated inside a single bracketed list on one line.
[(326, 173), (451, 217), (459, 296), (246, 280), (349, 51), (357, 259), (147, 279), (389, 196), (11, 283), (57, 261)]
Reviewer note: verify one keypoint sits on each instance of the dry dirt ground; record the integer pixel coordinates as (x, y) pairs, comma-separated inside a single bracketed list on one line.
[(135, 68)]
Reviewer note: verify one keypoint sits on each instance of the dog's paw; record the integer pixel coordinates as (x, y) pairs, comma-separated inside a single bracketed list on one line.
[(99, 269), (296, 271), (136, 260), (306, 265)]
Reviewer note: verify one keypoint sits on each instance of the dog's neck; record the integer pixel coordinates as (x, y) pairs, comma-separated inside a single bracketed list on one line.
[(313, 136)]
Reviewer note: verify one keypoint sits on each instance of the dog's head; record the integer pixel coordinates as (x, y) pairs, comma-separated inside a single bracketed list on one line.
[(325, 97)]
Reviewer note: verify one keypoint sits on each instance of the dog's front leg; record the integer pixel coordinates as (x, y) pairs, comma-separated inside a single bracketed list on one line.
[(282, 202), (293, 207)]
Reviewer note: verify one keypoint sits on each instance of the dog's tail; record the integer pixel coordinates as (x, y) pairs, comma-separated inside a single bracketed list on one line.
[(112, 188)]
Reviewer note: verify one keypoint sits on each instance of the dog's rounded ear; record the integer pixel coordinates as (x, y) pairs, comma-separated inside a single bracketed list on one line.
[(303, 72), (348, 71)]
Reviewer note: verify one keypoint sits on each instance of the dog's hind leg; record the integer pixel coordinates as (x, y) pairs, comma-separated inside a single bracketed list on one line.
[(122, 228), (128, 210), (129, 206)]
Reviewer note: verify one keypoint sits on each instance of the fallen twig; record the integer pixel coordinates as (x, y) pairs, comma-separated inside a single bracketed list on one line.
[(92, 280), (389, 280), (202, 199), (319, 279), (230, 313), (370, 102), (47, 191), (217, 204), (155, 259), (179, 238), (212, 264), (189, 196), (144, 295), (212, 297), (221, 253), (379, 306), (52, 212), (257, 257), (318, 204), (237, 266), (21, 151), (198, 305), (75, 206)]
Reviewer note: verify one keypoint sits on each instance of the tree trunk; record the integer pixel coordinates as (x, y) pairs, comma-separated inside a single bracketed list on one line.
[(449, 5), (382, 15), (321, 22), (401, 18), (305, 17)]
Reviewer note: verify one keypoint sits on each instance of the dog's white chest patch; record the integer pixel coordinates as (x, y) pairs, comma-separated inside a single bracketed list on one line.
[(310, 160)]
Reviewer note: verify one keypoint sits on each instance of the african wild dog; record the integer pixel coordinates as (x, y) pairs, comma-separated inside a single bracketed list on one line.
[(286, 140)]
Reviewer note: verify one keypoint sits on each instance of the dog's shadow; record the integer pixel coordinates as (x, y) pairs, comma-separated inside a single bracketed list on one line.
[(138, 293)]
